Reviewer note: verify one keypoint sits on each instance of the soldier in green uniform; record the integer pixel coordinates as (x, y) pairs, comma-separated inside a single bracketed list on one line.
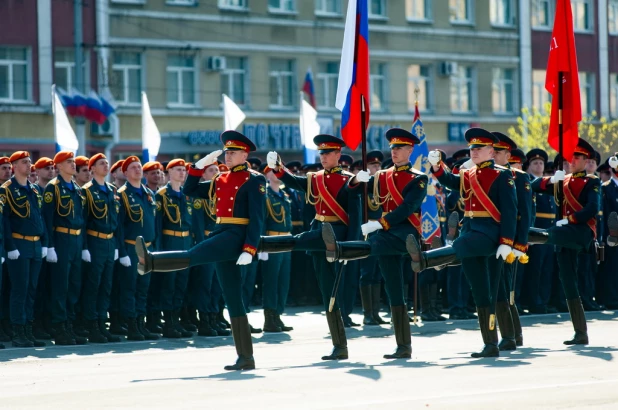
[(488, 231), (63, 213), (100, 250)]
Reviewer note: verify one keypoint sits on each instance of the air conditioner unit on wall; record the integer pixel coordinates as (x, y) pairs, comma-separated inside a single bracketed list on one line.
[(448, 68), (215, 63)]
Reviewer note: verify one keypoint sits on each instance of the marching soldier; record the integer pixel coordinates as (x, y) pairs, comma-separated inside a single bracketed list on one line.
[(238, 199), (24, 241), (488, 232), (100, 251), (63, 213), (575, 232), (336, 201), (400, 190)]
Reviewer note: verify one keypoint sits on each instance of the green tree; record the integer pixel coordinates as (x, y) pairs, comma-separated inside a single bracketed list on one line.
[(533, 125)]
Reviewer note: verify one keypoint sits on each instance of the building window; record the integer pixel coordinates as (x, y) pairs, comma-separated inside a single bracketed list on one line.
[(377, 8), (460, 11), (613, 90), (233, 4), (14, 75), (328, 7), (64, 69), (419, 76), (233, 79), (503, 91), (418, 9), (327, 77), (282, 84), (180, 2), (586, 87), (540, 96), (181, 75), (282, 6), (542, 14), (502, 12), (377, 86), (126, 81), (613, 16), (582, 15), (462, 90)]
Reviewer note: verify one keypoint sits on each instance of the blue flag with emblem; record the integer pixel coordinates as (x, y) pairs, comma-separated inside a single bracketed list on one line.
[(430, 220)]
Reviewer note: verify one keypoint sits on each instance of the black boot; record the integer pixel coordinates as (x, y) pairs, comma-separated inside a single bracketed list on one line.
[(489, 332), (433, 302), (519, 335), (537, 236), (578, 317), (61, 336), (103, 329), (401, 326), (141, 326), (222, 320), (366, 300), (343, 251), (30, 336), (133, 332), (217, 325), (116, 324), (205, 328), (19, 337), (159, 261), (429, 259), (281, 324), (80, 340), (254, 330), (153, 322), (243, 344), (187, 316), (270, 324), (169, 331), (94, 333), (376, 293), (427, 314), (184, 333), (612, 224), (507, 329), (38, 330), (276, 244), (337, 334)]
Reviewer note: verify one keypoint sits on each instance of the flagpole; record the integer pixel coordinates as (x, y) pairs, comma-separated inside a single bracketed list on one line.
[(560, 143)]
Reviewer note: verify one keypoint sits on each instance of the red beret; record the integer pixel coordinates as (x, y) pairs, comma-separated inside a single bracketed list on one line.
[(4, 160), (19, 155), (188, 165), (178, 162), (117, 164), (32, 169), (43, 162), (152, 165), (81, 160), (94, 159), (63, 156), (128, 161)]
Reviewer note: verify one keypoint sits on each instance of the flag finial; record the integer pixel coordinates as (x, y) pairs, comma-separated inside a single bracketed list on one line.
[(416, 93)]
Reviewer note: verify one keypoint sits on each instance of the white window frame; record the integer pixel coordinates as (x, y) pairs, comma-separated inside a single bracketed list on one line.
[(539, 92), (230, 72), (323, 80), (590, 17), (428, 11), (585, 88), (612, 23), (280, 9), (501, 84), (280, 105), (469, 10), (381, 76), (510, 19), (429, 85), (535, 10), (472, 100), (11, 63), (243, 5), (613, 95), (185, 3), (125, 68), (70, 65), (320, 9), (179, 71), (383, 6)]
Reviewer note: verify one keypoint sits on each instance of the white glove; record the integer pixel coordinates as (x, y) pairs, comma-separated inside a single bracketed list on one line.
[(115, 254), (263, 256), (12, 255), (562, 222), (86, 255), (469, 164), (271, 159), (613, 162), (125, 261), (558, 176), (51, 255), (207, 160), (370, 226), (503, 251), (518, 253), (434, 157), (363, 176), (2, 260), (43, 252), (245, 258)]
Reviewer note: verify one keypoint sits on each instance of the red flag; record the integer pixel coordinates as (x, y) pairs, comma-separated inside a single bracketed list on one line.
[(563, 57)]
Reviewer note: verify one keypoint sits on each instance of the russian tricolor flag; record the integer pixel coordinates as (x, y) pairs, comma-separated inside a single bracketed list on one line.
[(308, 87), (354, 73)]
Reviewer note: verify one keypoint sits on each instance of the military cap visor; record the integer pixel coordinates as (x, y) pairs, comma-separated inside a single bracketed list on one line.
[(517, 157), (537, 153), (478, 138), (398, 137), (235, 141), (346, 160), (328, 143), (375, 157), (584, 148), (504, 142)]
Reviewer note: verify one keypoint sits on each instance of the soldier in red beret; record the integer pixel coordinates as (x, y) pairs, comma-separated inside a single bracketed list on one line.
[(82, 174), (5, 169), (153, 173)]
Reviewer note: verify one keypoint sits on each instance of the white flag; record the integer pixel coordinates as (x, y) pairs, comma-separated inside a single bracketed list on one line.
[(309, 128), (232, 114), (151, 138), (65, 137)]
